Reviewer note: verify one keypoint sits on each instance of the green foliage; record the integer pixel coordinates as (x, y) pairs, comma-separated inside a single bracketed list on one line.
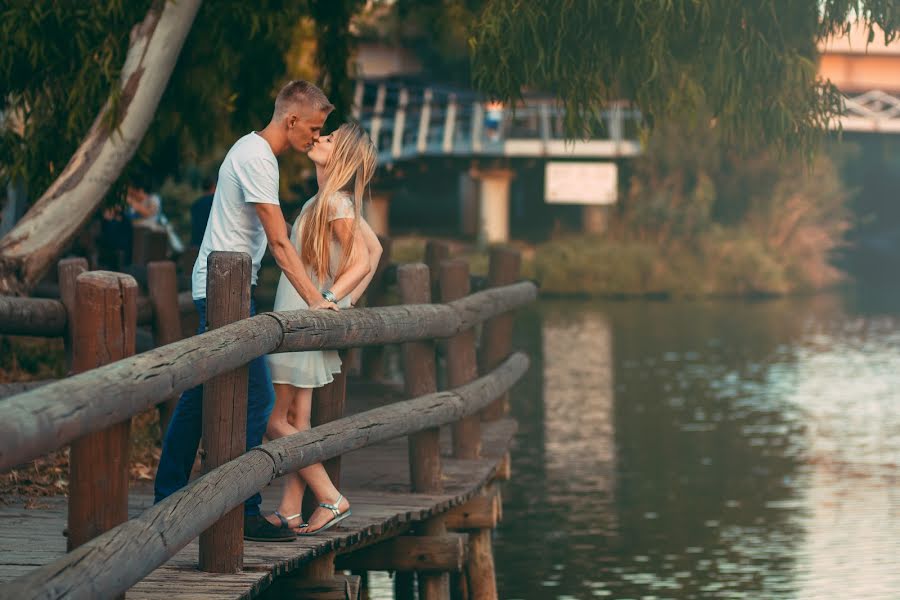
[(332, 21), (699, 219), (437, 32), (752, 63), (57, 67), (61, 62)]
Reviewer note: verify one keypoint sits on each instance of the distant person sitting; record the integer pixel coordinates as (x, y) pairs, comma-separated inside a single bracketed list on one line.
[(200, 211), (144, 208)]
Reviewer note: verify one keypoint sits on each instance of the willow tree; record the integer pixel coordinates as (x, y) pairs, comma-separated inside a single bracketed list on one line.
[(66, 65), (753, 64)]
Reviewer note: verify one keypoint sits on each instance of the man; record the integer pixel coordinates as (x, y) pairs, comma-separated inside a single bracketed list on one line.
[(245, 215)]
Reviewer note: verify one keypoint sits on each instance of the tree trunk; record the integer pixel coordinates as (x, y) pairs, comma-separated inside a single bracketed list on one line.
[(31, 248)]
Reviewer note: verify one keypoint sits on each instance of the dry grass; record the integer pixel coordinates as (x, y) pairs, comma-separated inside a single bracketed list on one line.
[(35, 359)]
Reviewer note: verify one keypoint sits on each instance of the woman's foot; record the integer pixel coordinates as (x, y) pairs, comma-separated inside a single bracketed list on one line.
[(326, 515), (292, 522)]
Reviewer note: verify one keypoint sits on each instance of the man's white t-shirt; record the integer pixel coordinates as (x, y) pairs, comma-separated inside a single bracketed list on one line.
[(248, 176)]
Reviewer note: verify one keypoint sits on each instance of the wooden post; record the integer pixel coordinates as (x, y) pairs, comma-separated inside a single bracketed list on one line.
[(461, 369), (435, 253), (148, 244), (68, 271), (328, 404), (373, 356), (104, 331), (461, 363), (225, 406), (482, 581), (162, 287), (424, 447), (496, 335), (420, 379)]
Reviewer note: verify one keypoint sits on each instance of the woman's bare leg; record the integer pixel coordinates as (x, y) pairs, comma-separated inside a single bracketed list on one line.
[(315, 476), (287, 404)]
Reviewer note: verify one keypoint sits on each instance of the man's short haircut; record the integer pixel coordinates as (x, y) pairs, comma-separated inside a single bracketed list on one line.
[(303, 95)]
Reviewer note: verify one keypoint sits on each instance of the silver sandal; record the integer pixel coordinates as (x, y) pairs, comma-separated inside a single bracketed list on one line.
[(286, 521), (337, 518)]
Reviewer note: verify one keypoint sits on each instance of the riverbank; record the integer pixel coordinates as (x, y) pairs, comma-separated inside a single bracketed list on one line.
[(723, 263)]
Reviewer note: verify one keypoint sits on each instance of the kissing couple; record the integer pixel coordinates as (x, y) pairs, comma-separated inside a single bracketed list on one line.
[(327, 261)]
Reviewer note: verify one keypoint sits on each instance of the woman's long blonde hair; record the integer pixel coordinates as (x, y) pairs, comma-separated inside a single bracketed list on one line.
[(349, 168)]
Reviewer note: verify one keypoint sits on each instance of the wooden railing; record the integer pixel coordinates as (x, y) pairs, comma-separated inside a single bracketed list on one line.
[(89, 408)]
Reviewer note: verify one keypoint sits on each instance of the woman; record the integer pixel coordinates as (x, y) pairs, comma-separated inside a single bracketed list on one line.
[(340, 253)]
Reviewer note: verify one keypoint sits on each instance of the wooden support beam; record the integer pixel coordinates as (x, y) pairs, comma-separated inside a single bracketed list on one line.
[(504, 469), (319, 569), (225, 407), (105, 324), (496, 335), (481, 512), (410, 553), (338, 587), (482, 580), (162, 288), (461, 361)]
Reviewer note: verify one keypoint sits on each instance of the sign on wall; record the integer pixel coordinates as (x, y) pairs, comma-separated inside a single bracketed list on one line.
[(581, 183)]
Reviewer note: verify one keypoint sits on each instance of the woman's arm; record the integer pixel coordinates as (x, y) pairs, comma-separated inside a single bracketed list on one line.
[(375, 250), (358, 266)]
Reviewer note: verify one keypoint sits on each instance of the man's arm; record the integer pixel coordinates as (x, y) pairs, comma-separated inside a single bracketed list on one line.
[(375, 250), (286, 255)]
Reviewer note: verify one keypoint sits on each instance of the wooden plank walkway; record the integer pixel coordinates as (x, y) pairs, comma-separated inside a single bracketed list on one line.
[(375, 480)]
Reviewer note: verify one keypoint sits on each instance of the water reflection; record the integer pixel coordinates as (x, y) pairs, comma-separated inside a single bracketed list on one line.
[(706, 450), (578, 410)]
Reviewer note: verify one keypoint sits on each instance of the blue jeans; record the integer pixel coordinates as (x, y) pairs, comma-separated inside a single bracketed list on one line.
[(183, 436)]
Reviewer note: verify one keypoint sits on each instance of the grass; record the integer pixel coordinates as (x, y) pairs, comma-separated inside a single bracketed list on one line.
[(724, 262)]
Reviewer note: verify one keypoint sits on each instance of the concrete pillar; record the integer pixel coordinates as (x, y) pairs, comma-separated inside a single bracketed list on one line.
[(376, 211), (493, 213), (595, 218), (468, 205)]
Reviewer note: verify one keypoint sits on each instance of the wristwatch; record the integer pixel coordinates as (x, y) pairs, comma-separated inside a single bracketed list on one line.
[(329, 295)]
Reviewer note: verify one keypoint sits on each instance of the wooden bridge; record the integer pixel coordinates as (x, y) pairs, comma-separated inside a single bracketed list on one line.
[(421, 467)]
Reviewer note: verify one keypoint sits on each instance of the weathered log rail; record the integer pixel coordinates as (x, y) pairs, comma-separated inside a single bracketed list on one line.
[(96, 569), (44, 419), (46, 317), (94, 402)]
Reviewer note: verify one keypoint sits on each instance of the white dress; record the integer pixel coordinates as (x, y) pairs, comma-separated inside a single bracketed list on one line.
[(314, 368)]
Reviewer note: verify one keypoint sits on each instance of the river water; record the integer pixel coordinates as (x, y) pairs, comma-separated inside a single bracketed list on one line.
[(721, 449), (724, 449)]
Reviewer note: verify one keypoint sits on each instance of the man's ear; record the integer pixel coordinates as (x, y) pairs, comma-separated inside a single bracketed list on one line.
[(291, 121)]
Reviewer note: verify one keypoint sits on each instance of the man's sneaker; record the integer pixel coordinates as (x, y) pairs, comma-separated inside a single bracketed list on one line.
[(258, 529)]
